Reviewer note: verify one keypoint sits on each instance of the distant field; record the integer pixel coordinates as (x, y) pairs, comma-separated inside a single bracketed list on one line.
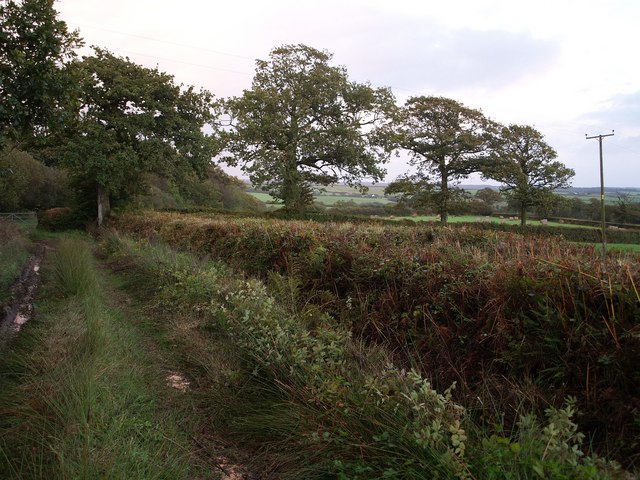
[(373, 189), (609, 199), (332, 193), (331, 200), (475, 219), (264, 197), (620, 247), (328, 200)]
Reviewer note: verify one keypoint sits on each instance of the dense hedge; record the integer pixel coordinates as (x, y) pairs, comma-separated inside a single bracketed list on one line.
[(59, 219), (469, 305), (572, 234)]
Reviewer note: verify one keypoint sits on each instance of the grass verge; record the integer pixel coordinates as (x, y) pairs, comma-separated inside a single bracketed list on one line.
[(79, 397)]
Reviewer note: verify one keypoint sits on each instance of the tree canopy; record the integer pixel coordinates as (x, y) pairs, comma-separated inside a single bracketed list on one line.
[(525, 164), (35, 82), (134, 120), (303, 123), (446, 141)]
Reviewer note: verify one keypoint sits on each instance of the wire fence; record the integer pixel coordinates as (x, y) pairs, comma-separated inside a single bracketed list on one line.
[(19, 216)]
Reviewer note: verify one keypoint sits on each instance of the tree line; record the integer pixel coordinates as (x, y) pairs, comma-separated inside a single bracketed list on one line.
[(109, 122)]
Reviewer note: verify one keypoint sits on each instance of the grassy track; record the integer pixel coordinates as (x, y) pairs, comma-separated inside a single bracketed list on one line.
[(80, 397)]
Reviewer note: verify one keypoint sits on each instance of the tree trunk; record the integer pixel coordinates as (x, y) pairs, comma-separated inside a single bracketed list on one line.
[(104, 206), (444, 200), (523, 214), (291, 187)]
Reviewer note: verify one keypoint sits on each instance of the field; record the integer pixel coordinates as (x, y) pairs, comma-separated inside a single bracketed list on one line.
[(329, 350), (331, 200), (477, 219)]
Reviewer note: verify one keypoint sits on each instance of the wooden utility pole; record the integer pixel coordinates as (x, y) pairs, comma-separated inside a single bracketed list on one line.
[(604, 232)]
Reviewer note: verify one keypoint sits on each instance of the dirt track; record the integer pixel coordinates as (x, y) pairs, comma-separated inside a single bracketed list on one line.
[(20, 308)]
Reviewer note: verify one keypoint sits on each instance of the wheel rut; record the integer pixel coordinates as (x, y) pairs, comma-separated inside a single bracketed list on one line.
[(20, 308)]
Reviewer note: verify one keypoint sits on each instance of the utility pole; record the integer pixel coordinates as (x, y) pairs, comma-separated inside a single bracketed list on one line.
[(604, 233)]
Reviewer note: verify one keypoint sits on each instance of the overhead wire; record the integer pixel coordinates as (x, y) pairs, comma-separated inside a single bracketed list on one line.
[(143, 37), (194, 47)]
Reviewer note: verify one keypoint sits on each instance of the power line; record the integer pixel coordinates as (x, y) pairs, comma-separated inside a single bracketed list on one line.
[(217, 52), (185, 63), (184, 45)]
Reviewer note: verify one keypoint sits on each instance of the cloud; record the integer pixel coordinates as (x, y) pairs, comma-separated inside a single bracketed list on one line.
[(621, 153), (419, 54), (621, 112)]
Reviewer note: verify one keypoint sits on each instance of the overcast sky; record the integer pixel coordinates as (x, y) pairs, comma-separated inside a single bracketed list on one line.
[(566, 67)]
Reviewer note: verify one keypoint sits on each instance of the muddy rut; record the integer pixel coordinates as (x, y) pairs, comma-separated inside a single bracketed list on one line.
[(20, 308)]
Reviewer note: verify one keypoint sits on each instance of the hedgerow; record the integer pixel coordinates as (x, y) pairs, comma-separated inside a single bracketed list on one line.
[(460, 304), (340, 408)]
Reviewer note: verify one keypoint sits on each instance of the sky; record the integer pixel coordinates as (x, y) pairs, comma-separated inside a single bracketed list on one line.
[(566, 67)]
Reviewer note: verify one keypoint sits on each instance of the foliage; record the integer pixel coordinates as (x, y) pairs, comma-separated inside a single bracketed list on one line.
[(326, 404), (303, 123), (588, 235), (447, 141), (216, 191), (58, 219), (489, 196), (468, 303), (525, 164), (35, 82), (135, 120), (626, 210), (26, 184)]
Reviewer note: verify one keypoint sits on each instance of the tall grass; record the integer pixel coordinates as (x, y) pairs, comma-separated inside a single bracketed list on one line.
[(78, 395), (14, 251), (318, 403)]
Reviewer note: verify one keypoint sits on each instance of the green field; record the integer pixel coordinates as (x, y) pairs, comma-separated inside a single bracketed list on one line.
[(372, 189), (620, 247), (264, 197), (331, 200), (477, 219), (328, 200)]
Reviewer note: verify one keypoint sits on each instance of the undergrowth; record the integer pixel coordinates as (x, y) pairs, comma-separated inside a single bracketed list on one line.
[(319, 403), (519, 322), (78, 397)]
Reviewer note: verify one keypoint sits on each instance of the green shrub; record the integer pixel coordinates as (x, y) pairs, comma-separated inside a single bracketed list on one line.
[(58, 219)]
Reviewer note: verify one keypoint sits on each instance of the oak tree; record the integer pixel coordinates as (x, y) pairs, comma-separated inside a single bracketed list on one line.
[(525, 164), (134, 120), (36, 84), (304, 123), (446, 141)]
